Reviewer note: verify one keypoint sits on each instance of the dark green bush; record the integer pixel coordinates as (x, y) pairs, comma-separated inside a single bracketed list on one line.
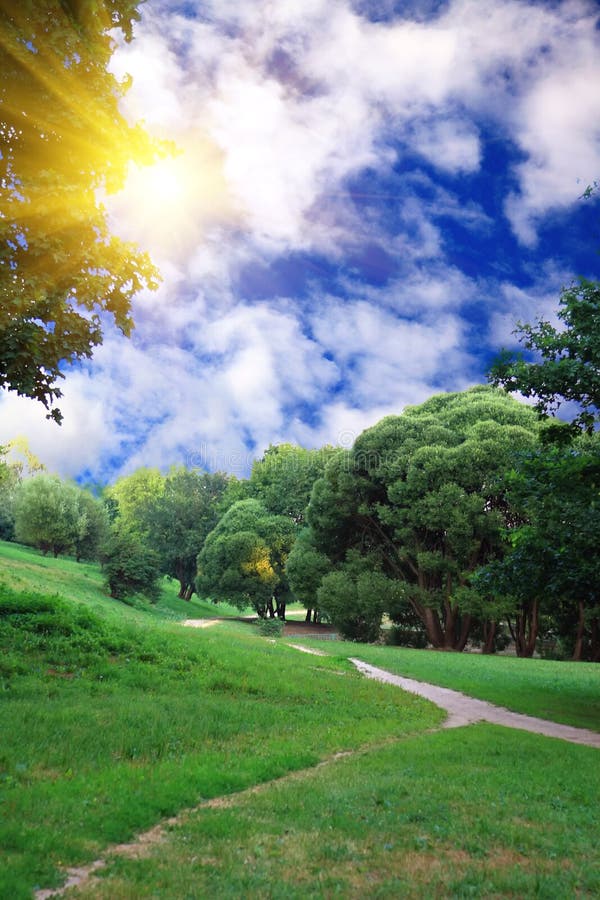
[(271, 627), (130, 567)]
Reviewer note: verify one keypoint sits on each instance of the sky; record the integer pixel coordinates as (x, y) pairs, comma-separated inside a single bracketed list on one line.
[(367, 197)]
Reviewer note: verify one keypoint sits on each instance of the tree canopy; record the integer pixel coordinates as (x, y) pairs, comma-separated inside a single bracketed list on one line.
[(417, 495), (282, 480), (568, 364), (180, 519), (552, 570), (56, 516), (243, 559), (63, 140)]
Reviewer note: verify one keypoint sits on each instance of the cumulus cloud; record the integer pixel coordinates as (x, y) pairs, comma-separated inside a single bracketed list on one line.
[(312, 133)]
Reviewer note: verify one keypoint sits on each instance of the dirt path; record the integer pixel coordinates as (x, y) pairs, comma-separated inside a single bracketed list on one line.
[(463, 710), (200, 623), (142, 844)]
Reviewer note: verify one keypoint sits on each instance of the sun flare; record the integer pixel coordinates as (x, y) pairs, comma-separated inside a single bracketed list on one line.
[(167, 206), (164, 182)]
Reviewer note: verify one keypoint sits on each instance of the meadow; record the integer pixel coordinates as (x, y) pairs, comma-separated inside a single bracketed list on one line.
[(564, 692), (114, 717)]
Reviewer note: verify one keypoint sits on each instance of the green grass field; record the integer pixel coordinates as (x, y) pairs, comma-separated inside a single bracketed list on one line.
[(564, 692), (114, 717), (22, 568), (475, 812)]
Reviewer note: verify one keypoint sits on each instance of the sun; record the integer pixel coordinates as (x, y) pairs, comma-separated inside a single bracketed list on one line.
[(164, 181), (167, 206)]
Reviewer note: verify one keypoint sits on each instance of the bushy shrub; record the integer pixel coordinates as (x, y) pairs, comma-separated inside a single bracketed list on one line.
[(130, 567), (271, 627), (354, 602), (400, 636)]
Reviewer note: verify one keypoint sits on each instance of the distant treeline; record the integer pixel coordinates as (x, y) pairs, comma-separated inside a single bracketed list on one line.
[(457, 521)]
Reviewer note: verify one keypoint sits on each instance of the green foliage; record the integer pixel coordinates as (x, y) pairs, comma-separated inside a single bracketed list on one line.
[(355, 597), (283, 479), (63, 142), (92, 526), (56, 516), (305, 568), (418, 496), (47, 514), (553, 567), (134, 498), (129, 567), (270, 627), (570, 358), (8, 482), (243, 558), (180, 518)]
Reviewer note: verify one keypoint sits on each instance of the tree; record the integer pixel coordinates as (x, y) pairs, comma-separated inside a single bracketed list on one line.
[(129, 566), (355, 597), (306, 567), (417, 496), (92, 526), (47, 514), (16, 459), (283, 479), (553, 568), (243, 559), (133, 499), (569, 370), (179, 520), (57, 516), (63, 141)]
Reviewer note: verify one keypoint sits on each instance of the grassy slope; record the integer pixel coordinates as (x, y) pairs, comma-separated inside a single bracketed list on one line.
[(473, 812), (111, 722), (112, 719), (560, 691), (26, 569)]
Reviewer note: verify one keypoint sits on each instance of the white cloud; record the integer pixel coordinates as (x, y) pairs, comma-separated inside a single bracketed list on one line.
[(276, 114), (300, 96)]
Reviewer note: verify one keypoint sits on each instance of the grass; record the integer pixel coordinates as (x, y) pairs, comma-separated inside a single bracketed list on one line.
[(477, 812), (564, 692), (24, 568), (115, 717), (107, 727)]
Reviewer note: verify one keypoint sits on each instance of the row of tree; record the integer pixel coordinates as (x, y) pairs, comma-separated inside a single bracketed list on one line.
[(463, 517)]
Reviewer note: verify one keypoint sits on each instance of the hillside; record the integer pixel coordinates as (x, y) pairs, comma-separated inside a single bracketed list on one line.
[(115, 718)]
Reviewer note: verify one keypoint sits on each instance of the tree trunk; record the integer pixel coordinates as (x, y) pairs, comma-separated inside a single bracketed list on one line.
[(463, 636), (455, 633), (595, 640), (489, 636), (308, 615), (526, 628), (579, 638), (280, 608), (431, 621), (182, 589), (189, 592)]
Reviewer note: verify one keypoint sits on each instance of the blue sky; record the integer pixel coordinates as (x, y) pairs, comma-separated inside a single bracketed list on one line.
[(368, 197)]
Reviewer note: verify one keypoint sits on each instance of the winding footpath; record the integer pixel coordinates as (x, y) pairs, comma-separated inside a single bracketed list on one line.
[(463, 710)]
